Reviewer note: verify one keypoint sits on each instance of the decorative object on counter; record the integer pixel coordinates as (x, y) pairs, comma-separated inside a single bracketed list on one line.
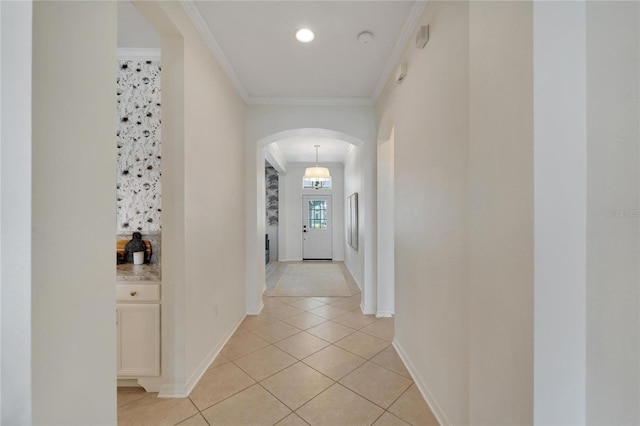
[(152, 241), (138, 257), (136, 245)]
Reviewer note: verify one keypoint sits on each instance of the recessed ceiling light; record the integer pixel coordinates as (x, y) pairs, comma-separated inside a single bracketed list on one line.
[(304, 35)]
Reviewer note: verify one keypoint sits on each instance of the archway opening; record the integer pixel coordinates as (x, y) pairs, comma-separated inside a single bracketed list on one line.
[(289, 237)]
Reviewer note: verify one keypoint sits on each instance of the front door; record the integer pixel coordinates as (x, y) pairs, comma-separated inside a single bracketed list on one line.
[(316, 227)]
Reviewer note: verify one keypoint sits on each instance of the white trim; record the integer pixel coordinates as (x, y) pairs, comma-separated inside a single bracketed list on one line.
[(136, 54), (338, 100), (257, 311), (407, 30), (196, 17), (173, 390), (352, 276), (367, 311), (273, 154), (384, 314), (150, 384), (309, 132), (437, 411)]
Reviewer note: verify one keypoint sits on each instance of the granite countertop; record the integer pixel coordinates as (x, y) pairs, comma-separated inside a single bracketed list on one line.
[(146, 272)]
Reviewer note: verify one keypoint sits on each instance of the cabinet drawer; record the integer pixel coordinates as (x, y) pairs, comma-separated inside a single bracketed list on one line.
[(137, 292)]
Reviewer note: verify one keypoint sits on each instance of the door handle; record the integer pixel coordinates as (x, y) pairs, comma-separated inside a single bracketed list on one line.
[(304, 230)]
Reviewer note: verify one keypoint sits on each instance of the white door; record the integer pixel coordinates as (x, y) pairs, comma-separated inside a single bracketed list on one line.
[(316, 227)]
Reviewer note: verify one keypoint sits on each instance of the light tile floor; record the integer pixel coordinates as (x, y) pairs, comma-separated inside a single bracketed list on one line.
[(303, 360)]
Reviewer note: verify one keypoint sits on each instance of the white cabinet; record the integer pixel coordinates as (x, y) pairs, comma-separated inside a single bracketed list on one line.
[(138, 340), (138, 322)]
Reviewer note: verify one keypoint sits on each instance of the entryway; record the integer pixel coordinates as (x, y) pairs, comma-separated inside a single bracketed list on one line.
[(317, 225)]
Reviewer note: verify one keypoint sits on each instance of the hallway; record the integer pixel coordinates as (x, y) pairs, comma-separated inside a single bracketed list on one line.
[(303, 360)]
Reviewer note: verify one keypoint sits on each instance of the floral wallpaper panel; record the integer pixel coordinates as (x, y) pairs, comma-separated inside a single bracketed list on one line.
[(271, 198), (138, 142)]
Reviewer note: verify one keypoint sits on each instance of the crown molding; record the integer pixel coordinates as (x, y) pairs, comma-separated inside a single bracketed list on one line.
[(344, 100), (196, 17), (138, 54), (394, 57), (409, 26)]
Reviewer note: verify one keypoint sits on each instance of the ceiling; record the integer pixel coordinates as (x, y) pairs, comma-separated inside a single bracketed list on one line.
[(134, 31), (257, 40), (302, 150), (254, 43)]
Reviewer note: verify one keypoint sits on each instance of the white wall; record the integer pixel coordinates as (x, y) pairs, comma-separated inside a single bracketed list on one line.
[(560, 212), (291, 208), (431, 137), (203, 192), (15, 213), (354, 259), (463, 120), (613, 228), (385, 230), (501, 215), (73, 295), (265, 120), (474, 355)]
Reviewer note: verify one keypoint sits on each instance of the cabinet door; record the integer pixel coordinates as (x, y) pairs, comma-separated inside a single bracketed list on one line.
[(138, 340)]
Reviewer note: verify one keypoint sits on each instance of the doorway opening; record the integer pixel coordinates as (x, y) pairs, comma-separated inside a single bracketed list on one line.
[(317, 228), (273, 148)]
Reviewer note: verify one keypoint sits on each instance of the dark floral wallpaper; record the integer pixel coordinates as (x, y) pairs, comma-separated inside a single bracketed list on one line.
[(271, 198), (138, 142)]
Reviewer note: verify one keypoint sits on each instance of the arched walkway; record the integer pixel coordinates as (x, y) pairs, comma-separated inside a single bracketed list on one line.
[(256, 205)]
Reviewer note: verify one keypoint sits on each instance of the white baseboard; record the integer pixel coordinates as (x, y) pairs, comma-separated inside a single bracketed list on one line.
[(385, 314), (197, 375), (257, 311), (173, 390), (367, 311), (437, 411), (352, 276), (177, 390)]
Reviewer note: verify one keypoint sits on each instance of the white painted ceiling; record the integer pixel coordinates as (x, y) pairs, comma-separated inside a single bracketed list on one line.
[(133, 30), (302, 150), (254, 42), (257, 39)]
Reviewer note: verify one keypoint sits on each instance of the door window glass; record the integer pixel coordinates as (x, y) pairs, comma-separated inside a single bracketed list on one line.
[(317, 214)]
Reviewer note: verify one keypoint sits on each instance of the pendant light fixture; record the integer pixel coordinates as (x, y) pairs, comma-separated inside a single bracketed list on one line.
[(317, 175)]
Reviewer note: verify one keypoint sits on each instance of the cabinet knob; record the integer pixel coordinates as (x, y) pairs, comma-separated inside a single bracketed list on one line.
[(133, 293)]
